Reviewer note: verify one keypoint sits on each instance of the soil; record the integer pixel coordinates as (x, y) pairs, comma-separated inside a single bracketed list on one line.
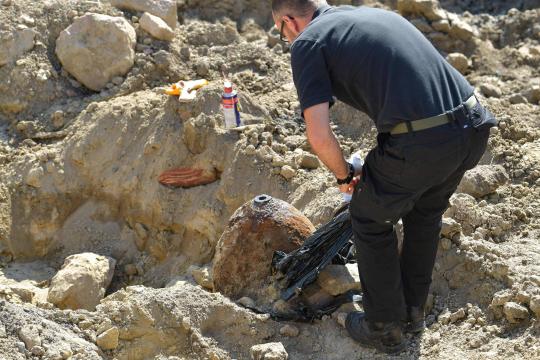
[(79, 170)]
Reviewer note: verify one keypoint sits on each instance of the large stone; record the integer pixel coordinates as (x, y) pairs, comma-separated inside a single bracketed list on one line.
[(450, 227), (533, 94), (287, 172), (269, 351), (14, 44), (307, 160), (30, 335), (96, 48), (461, 29), (534, 304), (202, 276), (165, 9), (242, 264), (108, 340), (459, 61), (430, 9), (82, 281), (483, 180), (338, 279), (156, 27), (514, 312), (490, 90)]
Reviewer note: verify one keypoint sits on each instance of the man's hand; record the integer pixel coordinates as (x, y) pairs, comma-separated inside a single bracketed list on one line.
[(349, 188)]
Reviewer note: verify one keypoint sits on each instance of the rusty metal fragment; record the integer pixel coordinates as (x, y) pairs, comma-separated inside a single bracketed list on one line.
[(187, 177), (242, 264)]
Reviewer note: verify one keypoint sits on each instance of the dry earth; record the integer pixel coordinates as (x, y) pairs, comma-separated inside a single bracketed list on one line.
[(79, 169)]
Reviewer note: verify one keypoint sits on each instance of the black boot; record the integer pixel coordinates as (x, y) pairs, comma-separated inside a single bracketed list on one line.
[(416, 321), (385, 337)]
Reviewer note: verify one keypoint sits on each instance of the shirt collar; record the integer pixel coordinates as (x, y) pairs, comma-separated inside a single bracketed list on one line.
[(320, 10)]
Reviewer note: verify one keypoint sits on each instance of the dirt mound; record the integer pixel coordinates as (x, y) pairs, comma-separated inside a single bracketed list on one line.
[(79, 173)]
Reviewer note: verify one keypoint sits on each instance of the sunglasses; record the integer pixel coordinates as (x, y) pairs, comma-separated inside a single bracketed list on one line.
[(281, 36)]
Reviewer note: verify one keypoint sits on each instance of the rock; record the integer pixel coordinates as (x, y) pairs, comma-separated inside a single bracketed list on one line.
[(186, 323), (28, 20), (338, 279), (25, 293), (427, 8), (247, 302), (96, 48), (533, 95), (483, 180), (287, 172), (441, 25), (202, 276), (20, 346), (475, 342), (27, 128), (14, 44), (30, 335), (242, 264), (272, 37), (108, 340), (57, 119), (82, 281), (307, 160), (450, 227), (269, 351), (459, 61), (3, 332), (514, 312), (490, 90), (117, 80), (202, 67), (165, 9), (446, 244), (529, 52), (289, 330), (517, 99), (104, 326), (156, 27), (130, 269), (422, 25), (34, 177), (458, 315), (460, 29), (534, 304), (523, 297), (37, 350), (502, 297)]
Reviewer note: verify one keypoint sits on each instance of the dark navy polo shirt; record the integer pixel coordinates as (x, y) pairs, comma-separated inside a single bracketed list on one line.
[(375, 61)]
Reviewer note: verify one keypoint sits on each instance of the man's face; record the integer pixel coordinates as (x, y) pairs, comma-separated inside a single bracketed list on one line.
[(282, 24)]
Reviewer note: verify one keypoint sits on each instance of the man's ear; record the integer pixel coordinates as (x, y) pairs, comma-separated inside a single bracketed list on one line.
[(291, 24)]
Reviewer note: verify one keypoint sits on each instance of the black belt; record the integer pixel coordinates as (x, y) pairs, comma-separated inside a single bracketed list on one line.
[(434, 121)]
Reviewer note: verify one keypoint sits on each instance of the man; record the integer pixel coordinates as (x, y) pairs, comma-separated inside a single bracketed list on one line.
[(431, 130)]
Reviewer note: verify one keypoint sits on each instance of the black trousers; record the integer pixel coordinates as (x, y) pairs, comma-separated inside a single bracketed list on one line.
[(409, 177)]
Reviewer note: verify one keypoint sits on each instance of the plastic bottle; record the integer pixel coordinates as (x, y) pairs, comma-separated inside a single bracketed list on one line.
[(357, 162), (229, 102)]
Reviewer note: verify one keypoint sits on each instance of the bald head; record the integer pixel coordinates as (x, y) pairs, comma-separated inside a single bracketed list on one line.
[(296, 8)]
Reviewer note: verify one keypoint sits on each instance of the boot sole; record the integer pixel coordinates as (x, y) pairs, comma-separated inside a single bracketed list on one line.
[(349, 325)]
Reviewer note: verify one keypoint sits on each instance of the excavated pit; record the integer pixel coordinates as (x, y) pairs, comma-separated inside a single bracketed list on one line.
[(91, 184)]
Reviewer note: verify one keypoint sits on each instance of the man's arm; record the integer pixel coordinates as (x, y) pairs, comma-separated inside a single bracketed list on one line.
[(323, 141)]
